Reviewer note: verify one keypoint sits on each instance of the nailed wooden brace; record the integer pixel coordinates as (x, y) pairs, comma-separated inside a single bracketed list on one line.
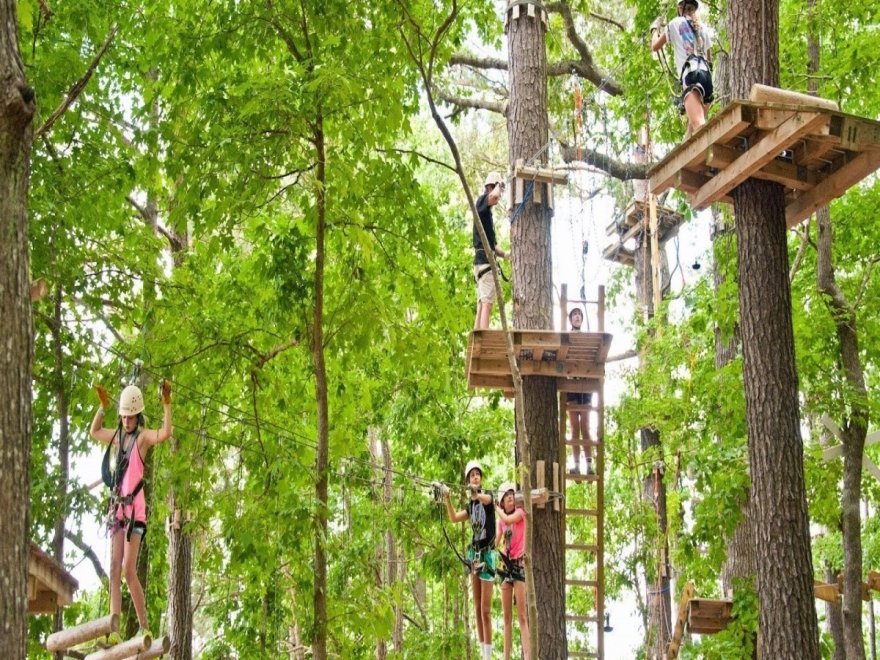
[(539, 478)]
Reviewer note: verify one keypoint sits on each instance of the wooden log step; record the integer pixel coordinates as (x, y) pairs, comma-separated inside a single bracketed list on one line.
[(582, 477), (582, 443), (157, 649), (582, 583), (582, 547), (65, 639), (582, 512), (127, 649), (583, 654), (578, 618)]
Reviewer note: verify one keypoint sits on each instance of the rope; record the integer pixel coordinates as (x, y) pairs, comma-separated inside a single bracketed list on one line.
[(526, 198)]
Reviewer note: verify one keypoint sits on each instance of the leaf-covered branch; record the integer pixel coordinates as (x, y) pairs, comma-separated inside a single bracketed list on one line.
[(77, 88)]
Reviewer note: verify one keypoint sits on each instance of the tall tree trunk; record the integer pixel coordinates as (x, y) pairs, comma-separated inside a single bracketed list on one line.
[(16, 328), (323, 449), (179, 618), (527, 131), (658, 630), (62, 405), (855, 429), (778, 498), (834, 619)]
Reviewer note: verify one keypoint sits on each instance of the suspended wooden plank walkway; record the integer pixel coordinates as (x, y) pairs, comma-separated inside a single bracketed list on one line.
[(49, 585), (575, 359), (814, 150)]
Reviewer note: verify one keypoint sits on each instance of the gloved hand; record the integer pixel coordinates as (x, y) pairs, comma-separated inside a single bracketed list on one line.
[(658, 24), (103, 397), (165, 388)]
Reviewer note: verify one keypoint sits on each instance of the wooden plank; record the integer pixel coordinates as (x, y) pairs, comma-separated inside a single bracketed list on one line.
[(832, 187), (579, 478), (538, 174), (556, 488), (578, 618), (788, 174), (65, 639), (678, 632), (767, 94), (595, 512), (765, 150), (826, 592), (726, 124), (581, 583), (874, 580), (811, 149), (582, 547), (130, 648), (691, 182), (539, 477), (43, 602)]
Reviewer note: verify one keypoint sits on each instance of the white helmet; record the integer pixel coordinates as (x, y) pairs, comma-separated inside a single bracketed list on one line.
[(471, 466), (131, 401), (492, 178), (505, 488)]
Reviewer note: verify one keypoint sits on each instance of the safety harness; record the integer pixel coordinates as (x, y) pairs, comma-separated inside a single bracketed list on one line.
[(468, 563), (114, 481)]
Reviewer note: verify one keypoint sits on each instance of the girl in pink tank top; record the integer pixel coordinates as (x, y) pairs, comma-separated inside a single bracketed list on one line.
[(128, 502), (512, 545)]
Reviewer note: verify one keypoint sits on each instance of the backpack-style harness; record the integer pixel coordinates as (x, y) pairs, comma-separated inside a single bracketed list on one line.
[(114, 480)]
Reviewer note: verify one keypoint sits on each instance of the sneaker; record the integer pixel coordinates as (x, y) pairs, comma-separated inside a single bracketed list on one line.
[(590, 469), (574, 469), (144, 632)]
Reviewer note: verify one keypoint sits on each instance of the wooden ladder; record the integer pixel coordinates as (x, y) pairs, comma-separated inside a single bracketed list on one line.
[(584, 516)]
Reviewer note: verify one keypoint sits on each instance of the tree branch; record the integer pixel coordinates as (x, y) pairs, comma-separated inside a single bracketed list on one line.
[(86, 549), (280, 348), (606, 19), (420, 155), (79, 85), (616, 168), (585, 67), (476, 103)]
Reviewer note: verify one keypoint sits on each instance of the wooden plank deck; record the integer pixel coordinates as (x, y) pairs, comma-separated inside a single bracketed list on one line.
[(575, 359), (816, 153)]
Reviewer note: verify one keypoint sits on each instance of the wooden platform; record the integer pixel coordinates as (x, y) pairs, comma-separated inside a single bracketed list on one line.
[(575, 359), (816, 153), (632, 223), (707, 616), (49, 585)]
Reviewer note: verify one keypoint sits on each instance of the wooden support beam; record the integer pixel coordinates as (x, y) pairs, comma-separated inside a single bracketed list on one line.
[(767, 94), (708, 615), (827, 592), (64, 639), (538, 174), (691, 182), (761, 153), (832, 187), (788, 174), (681, 619), (132, 647), (725, 125), (42, 602), (556, 487)]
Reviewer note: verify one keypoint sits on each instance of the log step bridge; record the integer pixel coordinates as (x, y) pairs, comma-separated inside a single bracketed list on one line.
[(815, 151)]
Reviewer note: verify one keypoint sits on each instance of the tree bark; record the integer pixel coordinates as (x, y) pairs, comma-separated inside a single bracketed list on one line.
[(527, 130), (834, 619), (777, 498), (16, 327), (179, 615)]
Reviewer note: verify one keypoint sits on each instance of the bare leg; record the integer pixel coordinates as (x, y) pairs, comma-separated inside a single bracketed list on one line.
[(484, 315), (584, 419), (696, 111), (507, 606), (486, 611), (117, 542), (477, 588), (132, 548), (520, 588)]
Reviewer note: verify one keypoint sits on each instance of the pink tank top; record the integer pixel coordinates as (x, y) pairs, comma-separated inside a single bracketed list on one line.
[(513, 537), (130, 480)]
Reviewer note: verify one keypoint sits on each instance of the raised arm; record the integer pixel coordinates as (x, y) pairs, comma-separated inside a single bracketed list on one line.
[(154, 437), (97, 431), (454, 516), (514, 517)]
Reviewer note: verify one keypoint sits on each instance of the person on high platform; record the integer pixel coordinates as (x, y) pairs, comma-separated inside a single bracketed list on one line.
[(691, 45), (492, 189), (481, 555), (127, 524), (579, 420)]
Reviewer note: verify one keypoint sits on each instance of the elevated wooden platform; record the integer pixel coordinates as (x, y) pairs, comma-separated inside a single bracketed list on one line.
[(49, 585), (575, 359), (632, 223), (817, 153), (701, 616)]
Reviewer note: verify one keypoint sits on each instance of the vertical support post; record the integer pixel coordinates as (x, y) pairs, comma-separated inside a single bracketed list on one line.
[(600, 312), (563, 307), (655, 252), (539, 477), (600, 521)]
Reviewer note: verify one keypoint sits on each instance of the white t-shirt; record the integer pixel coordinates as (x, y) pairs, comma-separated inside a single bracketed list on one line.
[(684, 41)]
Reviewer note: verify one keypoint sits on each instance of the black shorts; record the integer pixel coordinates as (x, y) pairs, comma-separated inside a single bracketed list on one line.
[(580, 398), (700, 80)]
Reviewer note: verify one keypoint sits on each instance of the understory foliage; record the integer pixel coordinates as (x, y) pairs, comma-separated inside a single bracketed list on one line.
[(173, 214)]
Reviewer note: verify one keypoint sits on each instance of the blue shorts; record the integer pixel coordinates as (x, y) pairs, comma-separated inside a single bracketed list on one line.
[(489, 560)]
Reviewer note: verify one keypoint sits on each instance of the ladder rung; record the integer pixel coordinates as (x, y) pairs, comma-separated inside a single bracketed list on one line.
[(578, 407), (582, 443), (582, 583), (578, 618), (582, 512), (582, 654), (582, 477), (582, 546)]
